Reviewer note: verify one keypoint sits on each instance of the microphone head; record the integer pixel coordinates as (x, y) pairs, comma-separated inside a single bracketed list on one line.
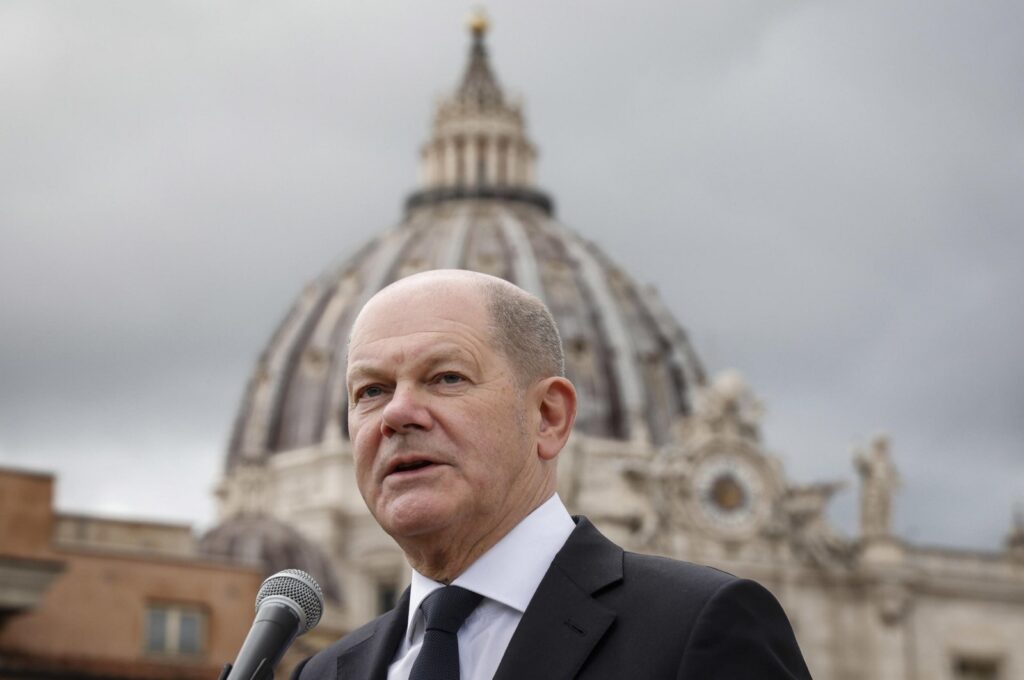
[(297, 590)]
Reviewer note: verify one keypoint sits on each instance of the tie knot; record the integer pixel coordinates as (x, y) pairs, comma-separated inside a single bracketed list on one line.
[(447, 608)]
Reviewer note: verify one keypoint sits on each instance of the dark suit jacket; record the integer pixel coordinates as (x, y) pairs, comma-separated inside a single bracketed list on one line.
[(601, 612)]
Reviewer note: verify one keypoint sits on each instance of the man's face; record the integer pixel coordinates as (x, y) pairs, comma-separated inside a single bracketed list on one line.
[(438, 423)]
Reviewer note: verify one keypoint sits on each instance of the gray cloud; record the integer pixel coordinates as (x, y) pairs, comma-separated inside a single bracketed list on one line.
[(827, 196)]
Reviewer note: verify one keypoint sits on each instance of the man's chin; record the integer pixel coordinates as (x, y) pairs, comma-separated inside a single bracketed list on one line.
[(411, 517)]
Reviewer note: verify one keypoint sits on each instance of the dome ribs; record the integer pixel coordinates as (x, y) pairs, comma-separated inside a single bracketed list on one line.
[(263, 400), (477, 207), (427, 244), (587, 361), (373, 273), (521, 254), (487, 249), (290, 376), (632, 364), (304, 411), (454, 255), (616, 334), (665, 388), (686, 369)]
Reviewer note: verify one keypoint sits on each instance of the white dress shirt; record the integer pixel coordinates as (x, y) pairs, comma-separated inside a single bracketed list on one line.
[(507, 576)]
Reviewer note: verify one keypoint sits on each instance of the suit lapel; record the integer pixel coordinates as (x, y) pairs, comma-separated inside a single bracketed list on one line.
[(368, 659), (563, 621)]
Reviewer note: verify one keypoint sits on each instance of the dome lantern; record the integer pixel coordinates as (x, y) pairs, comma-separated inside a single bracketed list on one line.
[(478, 145)]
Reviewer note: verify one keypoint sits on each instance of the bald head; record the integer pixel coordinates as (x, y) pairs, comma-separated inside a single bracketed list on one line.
[(521, 327)]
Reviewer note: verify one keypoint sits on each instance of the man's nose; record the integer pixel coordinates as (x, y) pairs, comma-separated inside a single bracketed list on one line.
[(405, 411)]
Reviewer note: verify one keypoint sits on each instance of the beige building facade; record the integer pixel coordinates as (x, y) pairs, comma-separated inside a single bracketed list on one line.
[(665, 459), (89, 597)]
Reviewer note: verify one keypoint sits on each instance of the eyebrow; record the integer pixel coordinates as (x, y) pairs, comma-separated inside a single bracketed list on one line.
[(364, 368)]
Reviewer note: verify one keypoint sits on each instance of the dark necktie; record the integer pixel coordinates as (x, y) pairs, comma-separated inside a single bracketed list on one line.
[(445, 609)]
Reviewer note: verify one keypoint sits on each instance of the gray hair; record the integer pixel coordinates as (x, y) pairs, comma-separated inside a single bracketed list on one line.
[(525, 332)]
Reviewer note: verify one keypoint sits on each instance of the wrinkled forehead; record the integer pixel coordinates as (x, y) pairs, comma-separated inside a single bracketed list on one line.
[(431, 306)]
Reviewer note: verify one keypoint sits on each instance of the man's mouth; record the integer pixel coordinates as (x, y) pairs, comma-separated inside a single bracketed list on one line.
[(411, 465)]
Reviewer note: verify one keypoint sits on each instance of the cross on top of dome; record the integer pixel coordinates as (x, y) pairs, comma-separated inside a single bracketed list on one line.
[(479, 87), (477, 22)]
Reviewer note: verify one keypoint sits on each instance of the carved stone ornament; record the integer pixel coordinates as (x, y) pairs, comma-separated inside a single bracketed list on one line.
[(813, 539), (728, 406), (664, 481), (892, 601)]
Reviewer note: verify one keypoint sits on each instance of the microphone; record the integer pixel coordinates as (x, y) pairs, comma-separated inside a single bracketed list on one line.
[(288, 604)]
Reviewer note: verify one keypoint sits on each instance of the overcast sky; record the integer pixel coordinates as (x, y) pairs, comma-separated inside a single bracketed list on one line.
[(827, 195)]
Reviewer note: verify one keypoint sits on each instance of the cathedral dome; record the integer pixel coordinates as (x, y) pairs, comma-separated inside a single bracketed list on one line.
[(273, 545), (478, 208)]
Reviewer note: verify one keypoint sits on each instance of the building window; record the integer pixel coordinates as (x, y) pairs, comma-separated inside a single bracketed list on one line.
[(975, 668), (176, 630)]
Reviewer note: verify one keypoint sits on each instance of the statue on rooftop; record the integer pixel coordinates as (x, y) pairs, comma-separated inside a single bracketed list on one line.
[(879, 481)]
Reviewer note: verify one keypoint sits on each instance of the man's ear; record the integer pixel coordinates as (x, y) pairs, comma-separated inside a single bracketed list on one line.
[(557, 401)]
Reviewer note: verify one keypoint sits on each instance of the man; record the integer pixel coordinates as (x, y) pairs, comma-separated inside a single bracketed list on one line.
[(458, 409)]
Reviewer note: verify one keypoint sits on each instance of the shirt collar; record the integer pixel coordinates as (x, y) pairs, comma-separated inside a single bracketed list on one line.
[(512, 569)]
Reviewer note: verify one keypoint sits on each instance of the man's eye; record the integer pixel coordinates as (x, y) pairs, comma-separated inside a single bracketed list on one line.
[(369, 392), (450, 378)]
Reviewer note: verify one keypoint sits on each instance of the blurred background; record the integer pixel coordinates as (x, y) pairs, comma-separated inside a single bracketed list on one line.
[(827, 198)]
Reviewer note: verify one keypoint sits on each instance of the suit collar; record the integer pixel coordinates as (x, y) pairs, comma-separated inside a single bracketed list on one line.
[(511, 570), (557, 633), (564, 622), (589, 559), (370, 655)]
